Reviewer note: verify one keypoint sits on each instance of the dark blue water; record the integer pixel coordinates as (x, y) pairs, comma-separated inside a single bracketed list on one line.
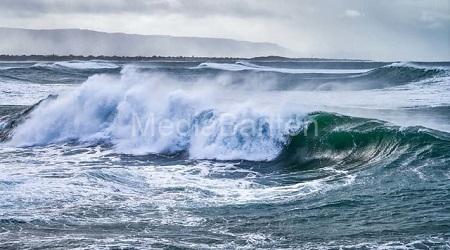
[(248, 154)]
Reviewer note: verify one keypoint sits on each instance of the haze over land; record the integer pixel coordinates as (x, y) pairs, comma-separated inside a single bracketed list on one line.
[(87, 42)]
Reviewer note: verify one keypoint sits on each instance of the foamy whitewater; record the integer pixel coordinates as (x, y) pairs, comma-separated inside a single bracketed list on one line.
[(251, 154)]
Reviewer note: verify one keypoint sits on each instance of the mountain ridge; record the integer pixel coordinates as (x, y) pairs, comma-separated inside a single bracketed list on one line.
[(90, 42)]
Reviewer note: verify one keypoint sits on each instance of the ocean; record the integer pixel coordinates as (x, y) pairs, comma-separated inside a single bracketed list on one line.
[(207, 154)]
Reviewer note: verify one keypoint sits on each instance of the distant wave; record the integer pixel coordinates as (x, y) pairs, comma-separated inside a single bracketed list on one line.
[(243, 65), (81, 65), (405, 72), (10, 67), (55, 72), (391, 75), (329, 79), (78, 65)]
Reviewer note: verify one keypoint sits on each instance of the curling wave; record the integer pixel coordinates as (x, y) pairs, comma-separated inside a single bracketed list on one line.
[(350, 142)]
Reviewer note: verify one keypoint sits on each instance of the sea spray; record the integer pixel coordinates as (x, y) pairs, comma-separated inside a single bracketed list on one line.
[(152, 113)]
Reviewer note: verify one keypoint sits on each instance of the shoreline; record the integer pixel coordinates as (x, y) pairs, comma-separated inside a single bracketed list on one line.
[(159, 58)]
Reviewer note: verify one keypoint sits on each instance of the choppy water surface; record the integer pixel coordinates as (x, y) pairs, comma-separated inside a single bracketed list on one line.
[(246, 154)]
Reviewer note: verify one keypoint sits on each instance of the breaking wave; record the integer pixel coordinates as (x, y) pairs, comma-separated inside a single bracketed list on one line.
[(327, 79), (247, 66), (129, 112), (404, 72), (80, 65), (136, 114)]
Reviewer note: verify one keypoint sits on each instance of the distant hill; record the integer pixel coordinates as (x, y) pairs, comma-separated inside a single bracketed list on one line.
[(88, 42), (9, 57)]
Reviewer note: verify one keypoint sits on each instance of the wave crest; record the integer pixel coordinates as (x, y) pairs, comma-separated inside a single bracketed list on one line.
[(247, 66), (353, 142), (138, 115), (142, 116)]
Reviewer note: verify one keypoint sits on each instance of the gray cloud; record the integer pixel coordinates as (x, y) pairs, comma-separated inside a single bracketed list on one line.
[(398, 29), (195, 8)]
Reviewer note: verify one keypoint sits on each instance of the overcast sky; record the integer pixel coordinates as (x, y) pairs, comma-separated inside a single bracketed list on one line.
[(372, 29)]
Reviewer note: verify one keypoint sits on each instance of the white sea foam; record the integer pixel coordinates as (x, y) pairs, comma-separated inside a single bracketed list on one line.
[(21, 93), (200, 185)]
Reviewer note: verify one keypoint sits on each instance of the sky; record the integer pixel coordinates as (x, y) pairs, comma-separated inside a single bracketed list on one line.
[(365, 29)]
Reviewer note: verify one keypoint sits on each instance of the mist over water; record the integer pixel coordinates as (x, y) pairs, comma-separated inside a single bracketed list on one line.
[(225, 154)]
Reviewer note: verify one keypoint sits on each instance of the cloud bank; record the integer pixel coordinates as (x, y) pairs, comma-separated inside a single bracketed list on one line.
[(382, 30)]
